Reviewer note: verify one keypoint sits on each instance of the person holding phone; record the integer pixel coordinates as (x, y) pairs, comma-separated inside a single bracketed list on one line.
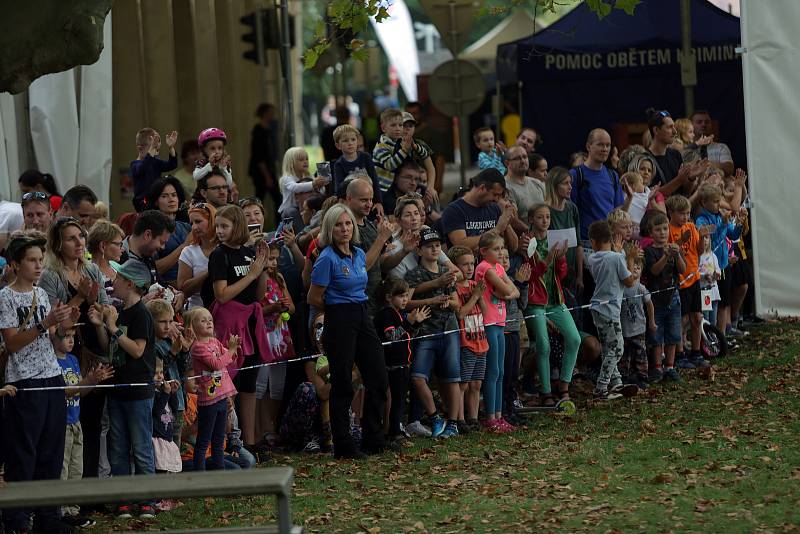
[(297, 179), (255, 217)]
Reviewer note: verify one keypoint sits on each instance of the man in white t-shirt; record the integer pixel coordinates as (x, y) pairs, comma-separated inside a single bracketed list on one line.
[(11, 220), (718, 153)]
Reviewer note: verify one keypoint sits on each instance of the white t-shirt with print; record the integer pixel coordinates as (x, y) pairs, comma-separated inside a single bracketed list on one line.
[(193, 257), (36, 359)]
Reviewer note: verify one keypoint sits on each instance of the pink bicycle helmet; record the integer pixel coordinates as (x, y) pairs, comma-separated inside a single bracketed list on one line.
[(211, 134)]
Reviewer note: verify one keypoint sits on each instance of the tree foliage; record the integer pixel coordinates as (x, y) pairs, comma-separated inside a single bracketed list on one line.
[(346, 19)]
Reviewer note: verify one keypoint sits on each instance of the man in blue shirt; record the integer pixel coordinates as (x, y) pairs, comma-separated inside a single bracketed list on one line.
[(596, 189)]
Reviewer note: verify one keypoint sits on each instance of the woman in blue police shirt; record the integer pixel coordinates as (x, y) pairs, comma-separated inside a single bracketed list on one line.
[(338, 287)]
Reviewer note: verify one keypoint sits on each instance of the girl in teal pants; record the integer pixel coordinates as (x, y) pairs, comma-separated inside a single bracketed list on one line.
[(546, 302)]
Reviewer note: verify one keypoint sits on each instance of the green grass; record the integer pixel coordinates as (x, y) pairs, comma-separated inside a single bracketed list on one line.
[(710, 455)]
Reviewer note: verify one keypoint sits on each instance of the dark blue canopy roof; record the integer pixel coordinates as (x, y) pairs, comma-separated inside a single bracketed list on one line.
[(584, 72)]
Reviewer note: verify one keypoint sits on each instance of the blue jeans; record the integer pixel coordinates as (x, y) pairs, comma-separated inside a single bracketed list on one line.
[(130, 431), (711, 316), (444, 352), (668, 323), (245, 460), (211, 423), (495, 358)]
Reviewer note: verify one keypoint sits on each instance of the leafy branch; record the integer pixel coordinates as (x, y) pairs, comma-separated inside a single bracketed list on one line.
[(346, 19)]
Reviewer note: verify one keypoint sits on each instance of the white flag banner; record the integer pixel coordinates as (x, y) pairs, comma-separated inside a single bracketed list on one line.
[(396, 35)]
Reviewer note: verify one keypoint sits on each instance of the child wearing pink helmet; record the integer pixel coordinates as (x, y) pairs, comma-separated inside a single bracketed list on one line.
[(212, 142)]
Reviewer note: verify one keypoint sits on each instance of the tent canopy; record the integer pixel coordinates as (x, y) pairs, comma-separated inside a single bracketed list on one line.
[(581, 72), (517, 25)]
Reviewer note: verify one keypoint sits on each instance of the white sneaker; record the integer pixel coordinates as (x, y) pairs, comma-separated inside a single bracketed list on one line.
[(417, 429), (312, 446)]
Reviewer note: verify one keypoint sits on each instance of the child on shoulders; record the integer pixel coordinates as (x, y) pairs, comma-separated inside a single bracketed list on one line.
[(491, 154), (353, 161), (394, 147), (147, 167)]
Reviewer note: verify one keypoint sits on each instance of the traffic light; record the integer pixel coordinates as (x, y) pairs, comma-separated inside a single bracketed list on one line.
[(251, 37), (270, 30)]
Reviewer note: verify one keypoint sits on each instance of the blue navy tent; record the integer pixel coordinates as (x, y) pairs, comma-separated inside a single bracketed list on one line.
[(582, 72)]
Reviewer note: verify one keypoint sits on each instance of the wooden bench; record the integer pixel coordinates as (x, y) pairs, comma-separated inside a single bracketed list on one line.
[(275, 481)]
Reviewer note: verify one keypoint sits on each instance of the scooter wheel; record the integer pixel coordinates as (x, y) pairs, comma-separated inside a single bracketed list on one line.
[(566, 407)]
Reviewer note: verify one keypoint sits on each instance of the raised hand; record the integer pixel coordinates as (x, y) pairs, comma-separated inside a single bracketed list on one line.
[(233, 343), (172, 138), (110, 316), (385, 229), (523, 274), (418, 315), (447, 279), (100, 373), (319, 182), (705, 140), (259, 263), (617, 242), (95, 314), (740, 178), (410, 241), (187, 339), (288, 235), (178, 300), (58, 314)]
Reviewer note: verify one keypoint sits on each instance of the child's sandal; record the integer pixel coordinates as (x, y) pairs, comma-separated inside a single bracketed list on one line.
[(548, 400), (563, 395)]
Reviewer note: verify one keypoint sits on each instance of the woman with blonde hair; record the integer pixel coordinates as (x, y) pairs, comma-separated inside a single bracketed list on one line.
[(105, 245), (338, 288), (193, 261), (70, 278)]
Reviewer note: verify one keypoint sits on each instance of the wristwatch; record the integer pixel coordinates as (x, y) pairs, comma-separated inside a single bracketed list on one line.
[(41, 328)]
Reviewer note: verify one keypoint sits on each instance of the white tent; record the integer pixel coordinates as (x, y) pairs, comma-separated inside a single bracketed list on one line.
[(516, 26), (770, 43)]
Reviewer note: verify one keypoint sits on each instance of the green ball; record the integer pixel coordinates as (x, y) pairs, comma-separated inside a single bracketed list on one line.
[(285, 316)]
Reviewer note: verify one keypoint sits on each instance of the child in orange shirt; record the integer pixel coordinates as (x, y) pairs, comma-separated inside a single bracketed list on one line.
[(683, 232)]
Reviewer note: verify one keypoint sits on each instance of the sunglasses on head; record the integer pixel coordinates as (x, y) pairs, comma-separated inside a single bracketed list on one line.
[(35, 195), (664, 113), (244, 202), (200, 206)]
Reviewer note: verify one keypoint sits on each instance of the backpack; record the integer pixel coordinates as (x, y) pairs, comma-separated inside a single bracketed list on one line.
[(580, 184)]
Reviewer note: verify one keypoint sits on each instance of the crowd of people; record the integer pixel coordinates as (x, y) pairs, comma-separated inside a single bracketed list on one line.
[(187, 337)]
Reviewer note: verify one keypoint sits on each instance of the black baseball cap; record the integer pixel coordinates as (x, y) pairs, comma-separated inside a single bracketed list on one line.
[(429, 235)]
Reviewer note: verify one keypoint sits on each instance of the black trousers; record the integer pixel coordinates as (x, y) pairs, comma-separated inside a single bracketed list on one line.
[(92, 406), (349, 337), (399, 378), (34, 430)]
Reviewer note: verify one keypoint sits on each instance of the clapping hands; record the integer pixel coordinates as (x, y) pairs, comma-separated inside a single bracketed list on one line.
[(417, 315)]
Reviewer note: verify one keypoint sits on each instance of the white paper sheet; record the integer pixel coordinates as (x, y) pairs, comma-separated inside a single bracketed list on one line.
[(559, 236)]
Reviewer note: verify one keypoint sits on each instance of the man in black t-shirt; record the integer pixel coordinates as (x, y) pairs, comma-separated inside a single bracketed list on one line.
[(465, 219), (671, 174)]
